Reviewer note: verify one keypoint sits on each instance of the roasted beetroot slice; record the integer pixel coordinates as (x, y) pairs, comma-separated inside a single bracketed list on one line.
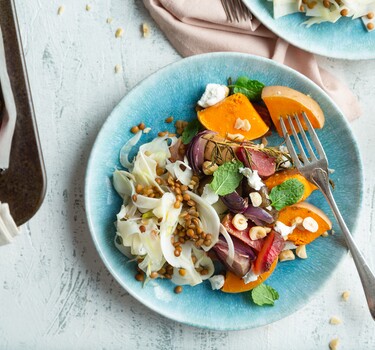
[(241, 235), (273, 245), (265, 164), (262, 162), (242, 257), (276, 248), (263, 112)]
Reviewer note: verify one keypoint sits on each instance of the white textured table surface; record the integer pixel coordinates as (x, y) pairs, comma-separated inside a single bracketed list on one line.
[(55, 293)]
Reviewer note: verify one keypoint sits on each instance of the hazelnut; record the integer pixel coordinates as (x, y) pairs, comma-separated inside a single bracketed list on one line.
[(209, 168), (310, 224), (258, 232), (239, 221), (286, 255), (301, 252)]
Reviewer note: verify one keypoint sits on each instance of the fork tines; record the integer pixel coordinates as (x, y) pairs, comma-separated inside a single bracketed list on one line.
[(236, 10), (294, 121)]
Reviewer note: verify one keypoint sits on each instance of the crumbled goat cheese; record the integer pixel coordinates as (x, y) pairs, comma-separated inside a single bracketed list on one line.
[(209, 195), (216, 281), (289, 245), (252, 178), (250, 277), (283, 229), (286, 163), (213, 94)]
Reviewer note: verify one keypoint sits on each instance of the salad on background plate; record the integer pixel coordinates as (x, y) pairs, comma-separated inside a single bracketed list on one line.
[(319, 11), (338, 29), (214, 201)]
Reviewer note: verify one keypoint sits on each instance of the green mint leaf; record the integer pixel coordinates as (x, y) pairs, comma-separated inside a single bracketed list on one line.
[(252, 89), (227, 178), (190, 131), (287, 193), (264, 295)]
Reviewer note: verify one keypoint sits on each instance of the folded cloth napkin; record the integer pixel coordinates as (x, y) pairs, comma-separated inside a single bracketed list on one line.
[(199, 26), (8, 112)]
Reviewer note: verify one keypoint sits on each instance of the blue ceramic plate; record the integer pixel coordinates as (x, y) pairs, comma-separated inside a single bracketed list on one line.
[(346, 39), (174, 90)]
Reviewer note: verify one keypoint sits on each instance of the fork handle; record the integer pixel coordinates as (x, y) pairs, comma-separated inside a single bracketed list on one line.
[(320, 178)]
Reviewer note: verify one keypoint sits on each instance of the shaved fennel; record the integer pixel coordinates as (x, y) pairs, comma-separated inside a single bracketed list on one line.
[(228, 238), (126, 149), (177, 172), (209, 218)]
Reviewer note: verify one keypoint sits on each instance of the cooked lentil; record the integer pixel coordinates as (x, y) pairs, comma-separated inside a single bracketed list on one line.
[(178, 289), (139, 277), (134, 129)]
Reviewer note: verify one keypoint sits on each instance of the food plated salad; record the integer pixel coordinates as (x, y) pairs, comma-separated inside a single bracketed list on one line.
[(214, 201), (319, 11), (174, 91)]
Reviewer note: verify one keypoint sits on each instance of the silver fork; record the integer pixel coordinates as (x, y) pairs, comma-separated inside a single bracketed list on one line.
[(236, 10), (315, 169)]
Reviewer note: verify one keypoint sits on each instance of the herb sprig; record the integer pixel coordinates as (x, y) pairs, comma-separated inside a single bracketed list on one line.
[(224, 151), (252, 89)]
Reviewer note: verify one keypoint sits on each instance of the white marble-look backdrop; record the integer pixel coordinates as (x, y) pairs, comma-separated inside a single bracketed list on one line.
[(55, 293)]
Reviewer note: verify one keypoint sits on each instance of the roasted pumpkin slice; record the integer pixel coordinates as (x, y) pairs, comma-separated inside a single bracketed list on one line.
[(234, 118), (235, 284), (303, 210), (282, 101)]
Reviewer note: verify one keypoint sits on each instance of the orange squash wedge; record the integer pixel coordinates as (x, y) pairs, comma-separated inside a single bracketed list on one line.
[(235, 284), (282, 101), (281, 176), (223, 117), (301, 236)]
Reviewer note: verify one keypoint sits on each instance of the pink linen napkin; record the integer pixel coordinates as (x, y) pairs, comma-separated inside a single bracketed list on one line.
[(200, 26)]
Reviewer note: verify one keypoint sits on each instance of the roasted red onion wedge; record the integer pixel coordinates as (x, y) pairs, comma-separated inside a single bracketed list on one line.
[(235, 202), (258, 215), (195, 151)]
